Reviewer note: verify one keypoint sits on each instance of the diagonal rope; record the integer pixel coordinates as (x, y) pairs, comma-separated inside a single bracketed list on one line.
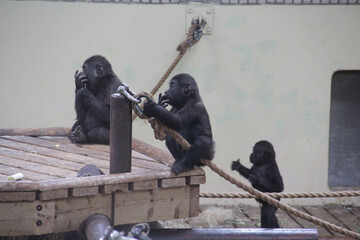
[(160, 131), (183, 47)]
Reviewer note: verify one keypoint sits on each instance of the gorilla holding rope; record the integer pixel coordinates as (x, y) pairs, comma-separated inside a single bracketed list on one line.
[(94, 86), (264, 176), (188, 116)]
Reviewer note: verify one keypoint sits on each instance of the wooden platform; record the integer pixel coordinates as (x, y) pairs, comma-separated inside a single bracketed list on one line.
[(51, 198)]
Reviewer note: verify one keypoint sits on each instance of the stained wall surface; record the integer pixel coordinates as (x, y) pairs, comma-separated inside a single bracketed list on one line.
[(264, 73)]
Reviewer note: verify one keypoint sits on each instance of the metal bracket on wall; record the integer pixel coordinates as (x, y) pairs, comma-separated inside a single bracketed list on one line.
[(204, 11)]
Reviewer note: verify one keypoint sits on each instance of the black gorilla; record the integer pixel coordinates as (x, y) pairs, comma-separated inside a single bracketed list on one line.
[(189, 118), (264, 175), (94, 86)]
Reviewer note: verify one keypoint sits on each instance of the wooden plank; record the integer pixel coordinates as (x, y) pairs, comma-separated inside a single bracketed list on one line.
[(18, 186), (305, 224), (83, 191), (69, 148), (322, 214), (148, 164), (28, 175), (112, 179), (172, 182), (53, 194), (151, 205), (285, 221), (26, 218), (56, 131), (108, 189), (241, 219), (196, 180), (355, 211), (194, 201), (55, 154), (36, 167), (71, 212), (3, 177), (343, 215), (143, 185), (33, 157), (72, 157), (65, 140), (138, 161), (17, 196)]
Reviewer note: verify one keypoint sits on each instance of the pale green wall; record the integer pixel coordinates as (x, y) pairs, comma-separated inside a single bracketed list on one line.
[(265, 73)]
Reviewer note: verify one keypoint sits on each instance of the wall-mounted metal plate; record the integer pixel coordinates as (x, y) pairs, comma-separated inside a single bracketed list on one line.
[(204, 11)]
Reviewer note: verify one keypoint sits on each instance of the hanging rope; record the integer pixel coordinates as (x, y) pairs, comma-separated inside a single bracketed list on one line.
[(193, 36), (284, 195), (160, 131)]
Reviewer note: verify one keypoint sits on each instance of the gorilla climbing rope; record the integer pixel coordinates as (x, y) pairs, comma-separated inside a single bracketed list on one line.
[(193, 36), (160, 132)]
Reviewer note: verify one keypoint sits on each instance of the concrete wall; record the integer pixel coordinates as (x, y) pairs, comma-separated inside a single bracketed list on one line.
[(265, 73)]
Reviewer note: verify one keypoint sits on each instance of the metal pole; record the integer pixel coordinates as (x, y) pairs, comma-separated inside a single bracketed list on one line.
[(234, 234), (120, 134)]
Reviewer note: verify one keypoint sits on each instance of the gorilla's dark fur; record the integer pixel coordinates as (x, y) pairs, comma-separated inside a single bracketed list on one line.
[(264, 175), (94, 86), (188, 117)]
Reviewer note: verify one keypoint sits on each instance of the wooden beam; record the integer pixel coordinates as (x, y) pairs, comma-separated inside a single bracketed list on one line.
[(172, 182), (194, 201), (71, 212), (143, 185), (26, 218), (53, 194), (112, 179), (56, 131), (151, 205), (17, 196)]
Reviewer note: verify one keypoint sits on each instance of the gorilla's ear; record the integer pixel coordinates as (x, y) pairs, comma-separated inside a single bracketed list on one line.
[(187, 89), (99, 69)]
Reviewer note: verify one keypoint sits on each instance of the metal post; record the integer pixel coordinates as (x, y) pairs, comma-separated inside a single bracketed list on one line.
[(234, 234), (120, 134)]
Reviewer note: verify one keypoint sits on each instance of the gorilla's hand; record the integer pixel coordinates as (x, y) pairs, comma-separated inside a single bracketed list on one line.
[(84, 93), (149, 108), (235, 165), (163, 100), (80, 79)]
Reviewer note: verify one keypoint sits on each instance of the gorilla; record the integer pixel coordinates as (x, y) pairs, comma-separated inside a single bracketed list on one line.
[(187, 116), (94, 86), (264, 175)]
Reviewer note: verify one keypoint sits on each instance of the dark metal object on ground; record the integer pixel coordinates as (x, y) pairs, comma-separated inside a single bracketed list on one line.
[(120, 134), (96, 227), (234, 233), (89, 170)]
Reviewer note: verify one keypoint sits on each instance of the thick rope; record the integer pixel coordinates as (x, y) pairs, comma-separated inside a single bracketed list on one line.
[(284, 195), (160, 128), (182, 48), (265, 197)]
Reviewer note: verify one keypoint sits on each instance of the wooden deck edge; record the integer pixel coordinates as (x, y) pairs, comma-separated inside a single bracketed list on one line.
[(92, 181), (54, 131)]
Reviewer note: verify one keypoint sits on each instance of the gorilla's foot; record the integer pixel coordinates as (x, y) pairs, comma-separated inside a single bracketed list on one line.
[(78, 136), (179, 167)]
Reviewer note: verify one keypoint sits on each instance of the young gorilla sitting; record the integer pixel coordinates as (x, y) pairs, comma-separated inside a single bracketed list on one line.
[(189, 118), (264, 175), (94, 86)]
